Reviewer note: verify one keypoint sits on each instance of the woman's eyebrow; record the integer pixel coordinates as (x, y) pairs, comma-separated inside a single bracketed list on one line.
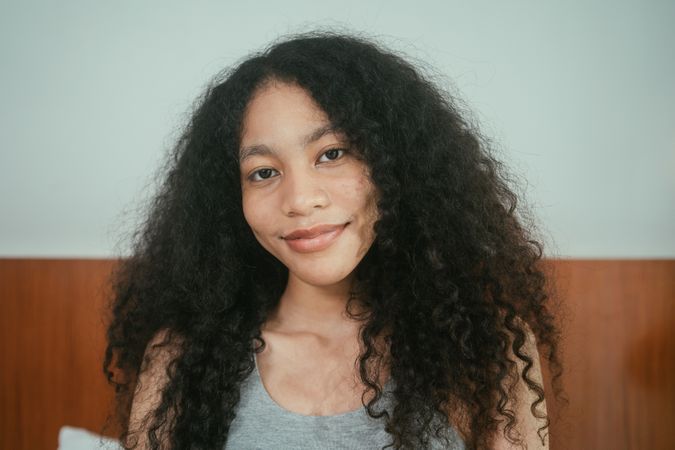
[(318, 134), (254, 150), (264, 150)]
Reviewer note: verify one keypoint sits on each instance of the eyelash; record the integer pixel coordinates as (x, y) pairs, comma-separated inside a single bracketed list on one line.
[(344, 151)]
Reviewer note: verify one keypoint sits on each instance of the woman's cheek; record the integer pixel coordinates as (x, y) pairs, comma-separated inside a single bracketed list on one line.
[(252, 211)]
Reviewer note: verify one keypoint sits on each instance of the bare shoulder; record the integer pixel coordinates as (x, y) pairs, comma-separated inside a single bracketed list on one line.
[(162, 349), (530, 412), (522, 399)]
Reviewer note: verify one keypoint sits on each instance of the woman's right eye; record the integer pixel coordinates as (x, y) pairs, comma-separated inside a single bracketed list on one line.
[(264, 174)]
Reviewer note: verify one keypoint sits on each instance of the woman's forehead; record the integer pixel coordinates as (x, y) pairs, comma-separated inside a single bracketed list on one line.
[(283, 112)]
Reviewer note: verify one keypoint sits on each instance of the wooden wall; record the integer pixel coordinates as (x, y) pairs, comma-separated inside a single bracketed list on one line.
[(51, 342), (619, 358), (619, 352)]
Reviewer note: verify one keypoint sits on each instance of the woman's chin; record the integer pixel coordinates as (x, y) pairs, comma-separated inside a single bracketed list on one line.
[(321, 278)]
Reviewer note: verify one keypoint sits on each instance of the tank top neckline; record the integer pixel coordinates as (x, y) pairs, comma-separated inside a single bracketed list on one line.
[(345, 415)]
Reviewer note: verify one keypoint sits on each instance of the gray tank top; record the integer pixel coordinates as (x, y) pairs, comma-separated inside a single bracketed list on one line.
[(262, 424)]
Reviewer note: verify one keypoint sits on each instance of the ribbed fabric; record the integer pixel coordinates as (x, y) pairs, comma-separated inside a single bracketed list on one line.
[(261, 424)]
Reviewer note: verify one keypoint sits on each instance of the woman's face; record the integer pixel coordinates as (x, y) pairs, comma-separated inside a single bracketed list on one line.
[(308, 200)]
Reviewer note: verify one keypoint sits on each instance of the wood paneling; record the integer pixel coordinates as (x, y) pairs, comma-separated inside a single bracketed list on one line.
[(619, 341), (619, 354), (51, 342)]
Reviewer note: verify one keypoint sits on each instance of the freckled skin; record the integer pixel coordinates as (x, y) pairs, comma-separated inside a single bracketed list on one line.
[(304, 187)]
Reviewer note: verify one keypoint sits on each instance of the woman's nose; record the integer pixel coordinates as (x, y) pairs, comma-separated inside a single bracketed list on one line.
[(302, 194)]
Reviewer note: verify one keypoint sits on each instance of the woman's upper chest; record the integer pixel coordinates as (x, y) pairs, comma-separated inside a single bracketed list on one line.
[(311, 375)]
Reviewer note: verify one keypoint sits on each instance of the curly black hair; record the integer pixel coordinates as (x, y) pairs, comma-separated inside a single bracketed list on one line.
[(454, 279)]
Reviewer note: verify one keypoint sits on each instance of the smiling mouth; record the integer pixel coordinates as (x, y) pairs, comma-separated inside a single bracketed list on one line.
[(316, 242)]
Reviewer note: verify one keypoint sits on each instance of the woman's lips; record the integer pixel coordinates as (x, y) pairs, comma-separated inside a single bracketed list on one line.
[(316, 243)]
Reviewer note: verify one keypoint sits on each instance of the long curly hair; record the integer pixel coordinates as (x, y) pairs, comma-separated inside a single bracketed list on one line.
[(453, 280)]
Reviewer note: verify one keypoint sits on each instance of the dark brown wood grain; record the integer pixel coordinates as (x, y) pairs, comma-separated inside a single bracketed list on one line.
[(619, 357)]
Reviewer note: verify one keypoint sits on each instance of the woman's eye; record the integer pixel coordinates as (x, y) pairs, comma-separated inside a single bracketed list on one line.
[(263, 174), (333, 153)]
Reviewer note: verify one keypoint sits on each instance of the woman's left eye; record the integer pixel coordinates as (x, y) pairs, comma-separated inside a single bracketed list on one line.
[(333, 153)]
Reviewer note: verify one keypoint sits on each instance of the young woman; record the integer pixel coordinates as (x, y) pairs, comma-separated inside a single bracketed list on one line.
[(333, 261)]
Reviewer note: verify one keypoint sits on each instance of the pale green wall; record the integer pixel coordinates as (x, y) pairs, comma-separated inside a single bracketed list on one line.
[(579, 97)]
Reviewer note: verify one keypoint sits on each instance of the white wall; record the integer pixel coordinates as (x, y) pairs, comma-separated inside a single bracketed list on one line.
[(579, 97)]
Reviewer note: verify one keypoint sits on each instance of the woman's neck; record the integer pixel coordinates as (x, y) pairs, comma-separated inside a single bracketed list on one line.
[(319, 310)]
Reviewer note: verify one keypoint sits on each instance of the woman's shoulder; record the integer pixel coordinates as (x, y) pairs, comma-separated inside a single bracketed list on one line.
[(165, 343), (522, 397), (153, 376)]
